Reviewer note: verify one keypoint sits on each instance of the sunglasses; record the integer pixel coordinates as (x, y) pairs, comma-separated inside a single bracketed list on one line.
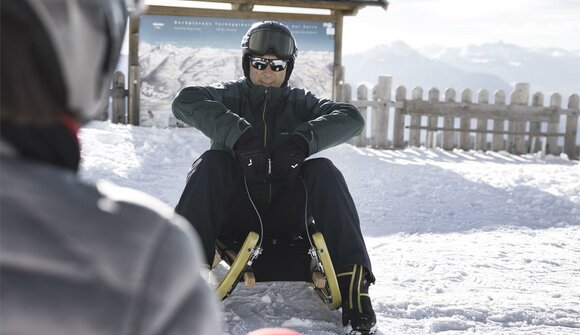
[(276, 65)]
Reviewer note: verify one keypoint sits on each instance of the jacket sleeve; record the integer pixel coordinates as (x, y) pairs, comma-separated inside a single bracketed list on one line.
[(175, 298), (330, 123), (203, 108)]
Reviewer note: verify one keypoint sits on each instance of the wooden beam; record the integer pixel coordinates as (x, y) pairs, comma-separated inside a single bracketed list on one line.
[(478, 131), (339, 5), (503, 112), (337, 70), (233, 14), (347, 8), (134, 73)]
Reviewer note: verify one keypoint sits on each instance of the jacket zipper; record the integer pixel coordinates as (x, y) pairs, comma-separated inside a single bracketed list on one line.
[(269, 199), (264, 117)]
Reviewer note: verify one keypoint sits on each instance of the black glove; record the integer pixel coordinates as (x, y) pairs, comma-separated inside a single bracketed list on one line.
[(288, 158), (253, 157)]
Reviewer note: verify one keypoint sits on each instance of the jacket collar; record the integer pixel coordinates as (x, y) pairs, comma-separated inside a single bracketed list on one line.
[(258, 94)]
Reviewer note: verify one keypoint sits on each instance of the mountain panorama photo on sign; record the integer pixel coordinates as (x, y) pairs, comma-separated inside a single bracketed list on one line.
[(175, 51)]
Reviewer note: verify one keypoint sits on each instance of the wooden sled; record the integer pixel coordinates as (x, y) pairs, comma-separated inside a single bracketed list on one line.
[(280, 259)]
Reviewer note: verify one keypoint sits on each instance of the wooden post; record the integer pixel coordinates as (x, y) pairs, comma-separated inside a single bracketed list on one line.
[(134, 72), (431, 141), (449, 122), (465, 121), (481, 136), (374, 126), (553, 126), (346, 94), (415, 132), (337, 73), (362, 95), (119, 110), (535, 126), (339, 93), (399, 119), (497, 140), (516, 142), (380, 118), (571, 127), (134, 95)]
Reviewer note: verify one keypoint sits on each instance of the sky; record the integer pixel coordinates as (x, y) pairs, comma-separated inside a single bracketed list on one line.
[(457, 23)]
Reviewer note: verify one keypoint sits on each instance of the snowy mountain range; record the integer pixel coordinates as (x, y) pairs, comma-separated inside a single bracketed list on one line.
[(489, 66), (166, 69)]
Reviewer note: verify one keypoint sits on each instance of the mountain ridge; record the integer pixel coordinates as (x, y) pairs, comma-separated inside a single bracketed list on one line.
[(490, 66)]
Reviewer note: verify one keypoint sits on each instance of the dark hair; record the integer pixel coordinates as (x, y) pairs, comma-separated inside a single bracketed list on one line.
[(31, 89)]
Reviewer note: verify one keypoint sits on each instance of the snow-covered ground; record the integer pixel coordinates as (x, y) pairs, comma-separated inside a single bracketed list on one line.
[(461, 242)]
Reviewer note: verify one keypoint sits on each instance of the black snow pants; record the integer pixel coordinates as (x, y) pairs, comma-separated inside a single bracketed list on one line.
[(215, 201)]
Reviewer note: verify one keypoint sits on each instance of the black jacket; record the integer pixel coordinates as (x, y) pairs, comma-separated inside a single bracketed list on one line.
[(224, 111)]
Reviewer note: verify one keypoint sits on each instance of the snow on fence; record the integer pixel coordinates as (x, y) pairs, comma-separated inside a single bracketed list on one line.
[(516, 127)]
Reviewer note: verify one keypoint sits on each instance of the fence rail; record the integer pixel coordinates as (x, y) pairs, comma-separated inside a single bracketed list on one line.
[(517, 127)]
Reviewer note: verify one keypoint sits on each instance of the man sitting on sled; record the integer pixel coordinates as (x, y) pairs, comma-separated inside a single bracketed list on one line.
[(255, 176)]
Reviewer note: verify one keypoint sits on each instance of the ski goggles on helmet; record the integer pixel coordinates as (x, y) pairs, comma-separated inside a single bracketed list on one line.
[(276, 65), (263, 42)]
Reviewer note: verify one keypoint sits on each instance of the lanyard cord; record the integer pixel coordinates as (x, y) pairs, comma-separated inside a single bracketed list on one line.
[(312, 251), (306, 211), (257, 250)]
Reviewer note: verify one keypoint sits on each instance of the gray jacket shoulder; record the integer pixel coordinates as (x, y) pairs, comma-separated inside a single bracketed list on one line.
[(114, 260)]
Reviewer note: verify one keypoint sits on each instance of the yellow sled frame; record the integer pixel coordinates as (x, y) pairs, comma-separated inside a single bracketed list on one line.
[(236, 270), (330, 293)]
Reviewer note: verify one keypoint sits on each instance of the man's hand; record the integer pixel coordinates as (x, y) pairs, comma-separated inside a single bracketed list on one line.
[(288, 159), (253, 158)]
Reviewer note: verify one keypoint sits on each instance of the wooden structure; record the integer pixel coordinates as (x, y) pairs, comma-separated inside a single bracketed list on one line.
[(517, 127), (244, 9)]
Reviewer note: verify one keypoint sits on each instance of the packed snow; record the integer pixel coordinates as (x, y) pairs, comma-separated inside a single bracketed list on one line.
[(461, 241)]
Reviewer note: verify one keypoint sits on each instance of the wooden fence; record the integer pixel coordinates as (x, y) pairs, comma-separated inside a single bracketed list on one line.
[(516, 127)]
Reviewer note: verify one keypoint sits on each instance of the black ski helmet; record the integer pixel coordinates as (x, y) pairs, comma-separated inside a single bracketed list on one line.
[(269, 37)]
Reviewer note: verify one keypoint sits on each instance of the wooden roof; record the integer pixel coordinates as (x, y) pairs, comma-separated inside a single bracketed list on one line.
[(358, 3), (347, 7), (328, 4)]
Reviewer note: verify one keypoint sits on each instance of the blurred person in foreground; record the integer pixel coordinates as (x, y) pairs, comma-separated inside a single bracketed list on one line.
[(78, 258), (262, 130)]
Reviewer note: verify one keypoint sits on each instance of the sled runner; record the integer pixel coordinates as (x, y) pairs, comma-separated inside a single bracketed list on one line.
[(295, 258)]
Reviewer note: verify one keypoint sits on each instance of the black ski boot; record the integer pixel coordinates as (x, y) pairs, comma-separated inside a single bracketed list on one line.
[(358, 316)]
